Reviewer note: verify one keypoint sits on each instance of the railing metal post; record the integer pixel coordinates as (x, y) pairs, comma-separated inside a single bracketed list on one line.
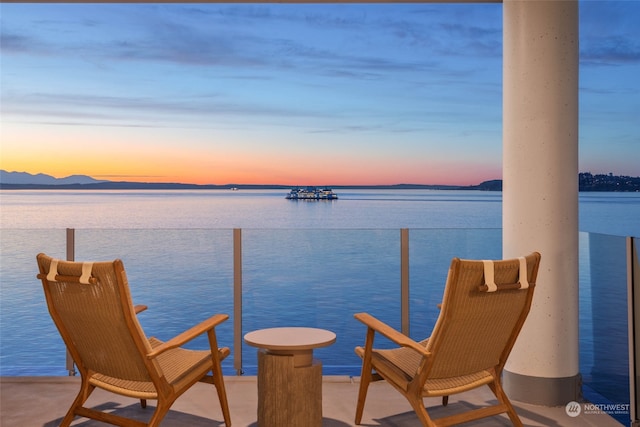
[(237, 300), (633, 292), (71, 256), (404, 280)]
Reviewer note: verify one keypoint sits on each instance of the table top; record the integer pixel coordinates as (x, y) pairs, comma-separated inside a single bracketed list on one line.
[(290, 338)]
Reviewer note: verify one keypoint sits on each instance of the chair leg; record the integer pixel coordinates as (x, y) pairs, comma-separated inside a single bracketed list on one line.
[(218, 381), (85, 391), (445, 400), (365, 379), (143, 403), (366, 374), (161, 410), (418, 406), (497, 389)]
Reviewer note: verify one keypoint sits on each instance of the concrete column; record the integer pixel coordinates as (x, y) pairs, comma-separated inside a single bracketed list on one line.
[(540, 192)]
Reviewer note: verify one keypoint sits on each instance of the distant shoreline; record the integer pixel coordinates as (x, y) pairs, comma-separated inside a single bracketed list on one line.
[(110, 185), (586, 181), (170, 186)]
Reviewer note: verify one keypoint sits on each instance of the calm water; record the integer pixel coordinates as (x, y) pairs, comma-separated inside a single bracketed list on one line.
[(247, 209), (608, 213), (304, 263)]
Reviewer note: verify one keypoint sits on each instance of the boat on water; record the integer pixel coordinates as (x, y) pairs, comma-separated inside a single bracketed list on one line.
[(311, 193)]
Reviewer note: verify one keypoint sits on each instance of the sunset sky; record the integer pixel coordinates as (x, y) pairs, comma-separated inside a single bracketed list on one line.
[(290, 94)]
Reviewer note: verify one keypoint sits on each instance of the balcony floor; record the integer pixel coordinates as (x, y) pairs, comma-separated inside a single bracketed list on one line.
[(43, 401)]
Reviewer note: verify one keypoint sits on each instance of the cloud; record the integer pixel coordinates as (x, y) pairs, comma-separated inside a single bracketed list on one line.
[(12, 42), (320, 68), (16, 43), (609, 33), (272, 38), (617, 50), (134, 111)]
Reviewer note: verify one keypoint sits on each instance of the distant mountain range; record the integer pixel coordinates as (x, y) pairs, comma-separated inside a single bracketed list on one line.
[(25, 181), (24, 178)]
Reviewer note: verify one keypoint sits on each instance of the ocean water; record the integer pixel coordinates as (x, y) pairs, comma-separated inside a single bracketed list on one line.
[(607, 213), (248, 209), (304, 263)]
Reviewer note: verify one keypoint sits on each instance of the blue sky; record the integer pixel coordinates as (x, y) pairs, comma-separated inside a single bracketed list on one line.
[(291, 94)]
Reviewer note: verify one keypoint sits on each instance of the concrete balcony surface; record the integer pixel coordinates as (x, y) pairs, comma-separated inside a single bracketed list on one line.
[(43, 401)]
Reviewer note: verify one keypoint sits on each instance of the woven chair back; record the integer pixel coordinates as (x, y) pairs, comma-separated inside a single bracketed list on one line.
[(476, 329), (97, 319)]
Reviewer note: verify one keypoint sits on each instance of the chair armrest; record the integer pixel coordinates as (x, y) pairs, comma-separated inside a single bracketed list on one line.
[(392, 334), (189, 334), (139, 308)]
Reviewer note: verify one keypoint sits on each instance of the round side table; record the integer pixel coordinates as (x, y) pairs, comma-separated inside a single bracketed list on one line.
[(289, 378)]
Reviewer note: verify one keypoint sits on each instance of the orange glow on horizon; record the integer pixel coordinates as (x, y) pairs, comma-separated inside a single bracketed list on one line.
[(224, 177), (160, 159)]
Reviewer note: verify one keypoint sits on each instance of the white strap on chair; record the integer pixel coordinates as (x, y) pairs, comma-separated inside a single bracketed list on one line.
[(524, 282), (87, 268), (53, 270), (489, 278), (86, 272)]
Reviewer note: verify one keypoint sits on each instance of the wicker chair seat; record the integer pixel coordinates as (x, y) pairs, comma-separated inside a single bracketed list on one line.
[(403, 364), (178, 365)]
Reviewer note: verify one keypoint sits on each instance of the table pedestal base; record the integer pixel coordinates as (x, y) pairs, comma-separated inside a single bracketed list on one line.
[(288, 395)]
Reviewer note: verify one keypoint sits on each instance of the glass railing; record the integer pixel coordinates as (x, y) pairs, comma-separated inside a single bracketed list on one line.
[(604, 333), (633, 283), (29, 342), (316, 278)]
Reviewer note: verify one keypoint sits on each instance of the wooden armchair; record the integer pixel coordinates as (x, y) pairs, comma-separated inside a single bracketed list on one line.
[(484, 307), (91, 306)]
